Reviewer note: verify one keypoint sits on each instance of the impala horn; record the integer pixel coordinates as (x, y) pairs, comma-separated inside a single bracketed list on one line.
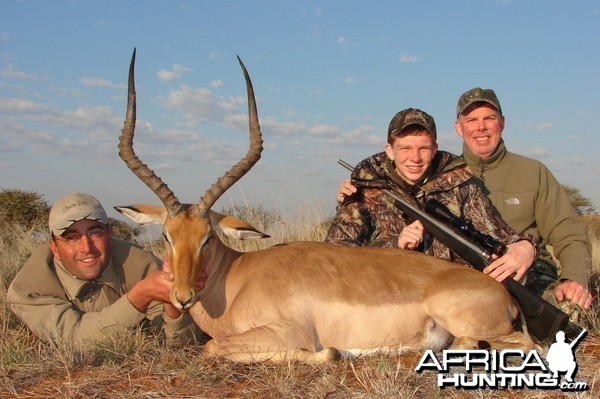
[(155, 183), (140, 169), (245, 164)]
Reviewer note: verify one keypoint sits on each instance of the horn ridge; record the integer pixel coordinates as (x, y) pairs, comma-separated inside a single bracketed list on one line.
[(245, 164), (127, 154)]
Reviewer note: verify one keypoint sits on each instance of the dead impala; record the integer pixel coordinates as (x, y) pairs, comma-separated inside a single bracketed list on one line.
[(312, 301)]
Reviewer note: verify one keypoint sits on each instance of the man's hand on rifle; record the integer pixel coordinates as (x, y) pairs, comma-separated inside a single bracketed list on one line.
[(573, 292), (515, 262), (411, 236), (346, 189)]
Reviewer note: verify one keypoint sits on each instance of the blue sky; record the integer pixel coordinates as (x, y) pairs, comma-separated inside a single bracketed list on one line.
[(328, 76)]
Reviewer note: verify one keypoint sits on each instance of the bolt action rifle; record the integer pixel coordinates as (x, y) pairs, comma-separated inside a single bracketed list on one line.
[(477, 249)]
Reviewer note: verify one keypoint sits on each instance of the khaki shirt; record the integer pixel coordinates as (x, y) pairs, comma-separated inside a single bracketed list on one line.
[(59, 307)]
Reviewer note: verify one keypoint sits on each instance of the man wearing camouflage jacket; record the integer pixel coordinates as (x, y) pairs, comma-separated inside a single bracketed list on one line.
[(413, 168)]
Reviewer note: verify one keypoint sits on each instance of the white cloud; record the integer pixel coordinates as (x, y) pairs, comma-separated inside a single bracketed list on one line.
[(407, 58), (279, 129), (174, 74), (15, 105), (539, 126), (216, 83), (199, 105), (344, 43), (324, 130), (534, 152), (4, 36), (80, 120), (10, 147), (10, 72), (101, 23), (99, 82)]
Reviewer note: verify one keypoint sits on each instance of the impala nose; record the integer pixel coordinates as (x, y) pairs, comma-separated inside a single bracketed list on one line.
[(185, 301)]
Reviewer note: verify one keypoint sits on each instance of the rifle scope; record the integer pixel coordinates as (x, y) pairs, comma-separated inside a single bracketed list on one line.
[(442, 213)]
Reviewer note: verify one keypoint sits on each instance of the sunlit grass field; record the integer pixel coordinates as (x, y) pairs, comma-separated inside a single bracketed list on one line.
[(138, 366)]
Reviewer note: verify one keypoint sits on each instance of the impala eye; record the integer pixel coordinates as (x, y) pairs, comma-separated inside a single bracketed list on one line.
[(206, 239)]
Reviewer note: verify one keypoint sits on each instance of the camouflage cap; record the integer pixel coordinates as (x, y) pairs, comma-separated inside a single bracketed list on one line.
[(412, 116), (72, 208), (477, 95)]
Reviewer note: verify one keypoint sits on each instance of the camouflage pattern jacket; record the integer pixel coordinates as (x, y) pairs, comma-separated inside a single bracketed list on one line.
[(369, 217)]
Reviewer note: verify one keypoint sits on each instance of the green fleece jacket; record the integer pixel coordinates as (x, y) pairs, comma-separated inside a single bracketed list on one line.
[(44, 296), (531, 201)]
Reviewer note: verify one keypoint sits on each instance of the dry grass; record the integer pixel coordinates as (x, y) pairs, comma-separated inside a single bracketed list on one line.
[(137, 366)]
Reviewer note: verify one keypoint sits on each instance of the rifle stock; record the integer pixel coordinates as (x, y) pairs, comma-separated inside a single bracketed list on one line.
[(542, 318)]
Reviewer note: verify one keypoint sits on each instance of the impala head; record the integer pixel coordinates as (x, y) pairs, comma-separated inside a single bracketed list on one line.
[(188, 228)]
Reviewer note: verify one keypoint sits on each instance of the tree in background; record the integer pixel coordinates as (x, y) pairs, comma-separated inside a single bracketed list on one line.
[(29, 210), (577, 199), (582, 204), (124, 231)]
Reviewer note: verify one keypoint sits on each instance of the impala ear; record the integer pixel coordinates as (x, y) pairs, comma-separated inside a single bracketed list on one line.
[(234, 227), (144, 214)]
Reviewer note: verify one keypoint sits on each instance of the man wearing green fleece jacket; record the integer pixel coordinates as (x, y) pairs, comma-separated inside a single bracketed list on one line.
[(530, 200)]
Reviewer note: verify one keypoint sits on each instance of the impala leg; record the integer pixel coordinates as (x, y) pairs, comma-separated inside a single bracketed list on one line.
[(470, 326), (514, 340), (475, 311), (263, 344)]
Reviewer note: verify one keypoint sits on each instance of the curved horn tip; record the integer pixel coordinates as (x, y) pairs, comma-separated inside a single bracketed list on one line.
[(132, 59), (241, 63)]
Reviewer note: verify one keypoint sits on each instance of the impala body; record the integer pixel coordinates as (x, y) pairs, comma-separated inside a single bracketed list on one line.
[(307, 300)]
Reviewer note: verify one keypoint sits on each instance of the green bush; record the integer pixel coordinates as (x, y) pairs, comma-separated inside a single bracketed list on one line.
[(577, 199), (123, 231), (27, 209)]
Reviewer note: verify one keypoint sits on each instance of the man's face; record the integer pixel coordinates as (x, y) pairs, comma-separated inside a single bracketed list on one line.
[(412, 155), (481, 128), (89, 257)]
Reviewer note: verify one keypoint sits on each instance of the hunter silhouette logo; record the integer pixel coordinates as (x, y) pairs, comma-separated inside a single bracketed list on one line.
[(509, 368), (561, 358)]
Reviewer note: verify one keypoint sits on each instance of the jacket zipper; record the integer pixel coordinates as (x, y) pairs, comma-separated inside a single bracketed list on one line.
[(482, 171)]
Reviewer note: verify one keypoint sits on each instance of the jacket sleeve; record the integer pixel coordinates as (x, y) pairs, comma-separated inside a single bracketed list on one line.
[(563, 229), (56, 319), (182, 330), (365, 222), (478, 208)]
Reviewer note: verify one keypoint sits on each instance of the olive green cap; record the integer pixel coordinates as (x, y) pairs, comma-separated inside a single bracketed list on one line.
[(477, 95), (412, 116)]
